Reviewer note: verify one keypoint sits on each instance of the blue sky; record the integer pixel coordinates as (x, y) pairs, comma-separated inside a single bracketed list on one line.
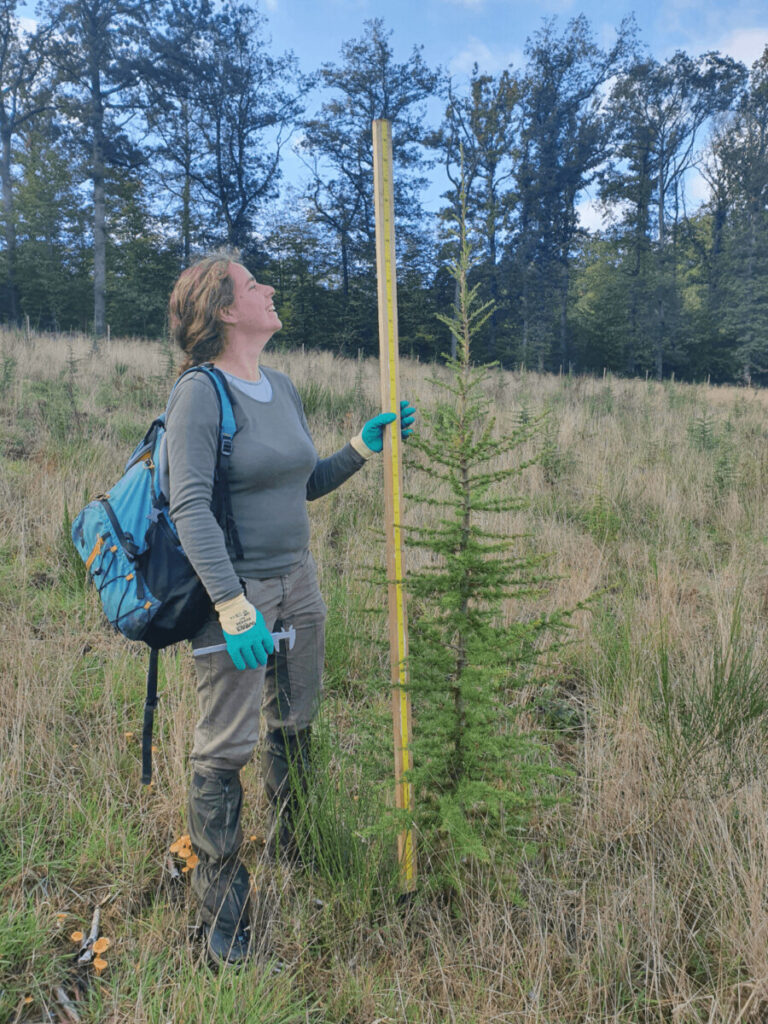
[(456, 33)]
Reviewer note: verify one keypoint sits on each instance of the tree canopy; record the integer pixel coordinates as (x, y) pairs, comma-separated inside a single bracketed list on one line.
[(128, 147)]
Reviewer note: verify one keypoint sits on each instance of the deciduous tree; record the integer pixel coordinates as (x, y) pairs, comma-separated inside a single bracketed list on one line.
[(246, 105), (174, 48), (24, 96), (659, 110), (95, 52), (563, 141), (738, 172), (367, 85), (476, 143)]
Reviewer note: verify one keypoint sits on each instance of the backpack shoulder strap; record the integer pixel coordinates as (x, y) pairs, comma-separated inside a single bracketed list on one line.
[(227, 423), (222, 498), (227, 431)]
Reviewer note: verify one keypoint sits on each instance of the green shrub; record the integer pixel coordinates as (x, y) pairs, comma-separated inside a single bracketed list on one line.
[(702, 432), (7, 373)]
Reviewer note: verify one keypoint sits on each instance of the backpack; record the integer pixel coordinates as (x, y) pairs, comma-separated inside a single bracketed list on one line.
[(147, 586)]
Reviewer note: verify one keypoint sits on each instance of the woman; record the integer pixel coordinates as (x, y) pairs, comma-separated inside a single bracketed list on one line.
[(219, 313)]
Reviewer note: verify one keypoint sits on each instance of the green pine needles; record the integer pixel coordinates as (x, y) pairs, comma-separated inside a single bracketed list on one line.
[(478, 775)]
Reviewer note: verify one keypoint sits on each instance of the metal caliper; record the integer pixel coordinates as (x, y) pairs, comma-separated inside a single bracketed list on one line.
[(285, 634)]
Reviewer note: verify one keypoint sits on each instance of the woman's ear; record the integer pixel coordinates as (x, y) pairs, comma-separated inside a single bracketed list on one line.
[(226, 315)]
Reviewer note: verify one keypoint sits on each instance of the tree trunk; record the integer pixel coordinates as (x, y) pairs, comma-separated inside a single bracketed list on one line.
[(524, 304), (718, 226), (659, 342), (186, 202), (10, 227), (99, 211), (458, 759), (639, 295), (661, 271), (99, 240), (493, 281), (564, 345), (749, 319), (456, 310), (185, 224), (630, 362), (344, 267)]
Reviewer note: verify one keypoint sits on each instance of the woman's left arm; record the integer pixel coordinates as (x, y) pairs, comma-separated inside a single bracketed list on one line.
[(330, 473)]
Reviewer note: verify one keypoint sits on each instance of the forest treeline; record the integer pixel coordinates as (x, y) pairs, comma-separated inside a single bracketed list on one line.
[(137, 135)]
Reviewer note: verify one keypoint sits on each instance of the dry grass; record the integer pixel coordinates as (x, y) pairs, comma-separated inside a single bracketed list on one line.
[(644, 896)]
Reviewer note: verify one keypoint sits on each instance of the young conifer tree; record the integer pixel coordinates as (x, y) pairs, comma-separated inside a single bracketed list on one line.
[(477, 775)]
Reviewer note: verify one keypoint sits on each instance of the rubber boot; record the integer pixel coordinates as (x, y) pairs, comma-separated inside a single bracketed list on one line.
[(220, 880), (285, 761)]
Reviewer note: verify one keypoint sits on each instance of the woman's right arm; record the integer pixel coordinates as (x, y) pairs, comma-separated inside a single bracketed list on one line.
[(193, 440)]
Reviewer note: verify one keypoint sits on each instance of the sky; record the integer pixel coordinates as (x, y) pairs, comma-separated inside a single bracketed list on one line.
[(455, 34)]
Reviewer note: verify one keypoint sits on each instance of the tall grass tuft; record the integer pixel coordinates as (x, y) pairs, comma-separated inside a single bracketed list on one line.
[(711, 720)]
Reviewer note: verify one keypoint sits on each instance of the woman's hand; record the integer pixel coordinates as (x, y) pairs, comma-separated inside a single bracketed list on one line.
[(248, 640), (372, 434)]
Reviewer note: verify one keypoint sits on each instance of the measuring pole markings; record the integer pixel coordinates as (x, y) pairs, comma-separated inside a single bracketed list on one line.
[(393, 486)]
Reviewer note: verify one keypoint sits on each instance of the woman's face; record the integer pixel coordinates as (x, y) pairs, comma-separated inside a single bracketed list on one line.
[(252, 310)]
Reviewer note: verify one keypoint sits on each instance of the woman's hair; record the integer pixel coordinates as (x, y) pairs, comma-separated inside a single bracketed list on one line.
[(199, 295)]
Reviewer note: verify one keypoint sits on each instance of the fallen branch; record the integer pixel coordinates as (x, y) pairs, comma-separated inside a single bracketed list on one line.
[(86, 949), (67, 1005)]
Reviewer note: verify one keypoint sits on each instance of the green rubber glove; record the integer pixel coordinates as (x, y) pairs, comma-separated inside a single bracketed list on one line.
[(373, 431), (248, 640)]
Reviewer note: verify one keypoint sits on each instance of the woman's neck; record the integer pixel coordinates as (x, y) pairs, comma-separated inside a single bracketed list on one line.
[(240, 361), (250, 372)]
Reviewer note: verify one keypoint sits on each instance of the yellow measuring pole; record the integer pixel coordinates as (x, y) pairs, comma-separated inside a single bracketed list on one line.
[(393, 483)]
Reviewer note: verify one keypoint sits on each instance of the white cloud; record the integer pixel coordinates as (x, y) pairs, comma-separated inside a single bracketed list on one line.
[(745, 44), (487, 60), (554, 6), (271, 5), (544, 7), (739, 29), (474, 52), (676, 23), (590, 215), (27, 24), (697, 190)]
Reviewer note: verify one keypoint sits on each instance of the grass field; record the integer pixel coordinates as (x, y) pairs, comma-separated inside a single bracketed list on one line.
[(644, 895)]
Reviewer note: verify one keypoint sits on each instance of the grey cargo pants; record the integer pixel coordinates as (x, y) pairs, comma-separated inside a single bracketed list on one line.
[(230, 703), (230, 700)]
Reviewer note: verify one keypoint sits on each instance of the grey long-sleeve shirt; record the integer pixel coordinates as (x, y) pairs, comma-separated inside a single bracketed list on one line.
[(274, 470)]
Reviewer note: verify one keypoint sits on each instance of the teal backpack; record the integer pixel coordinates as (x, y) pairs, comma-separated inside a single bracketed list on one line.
[(147, 586)]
